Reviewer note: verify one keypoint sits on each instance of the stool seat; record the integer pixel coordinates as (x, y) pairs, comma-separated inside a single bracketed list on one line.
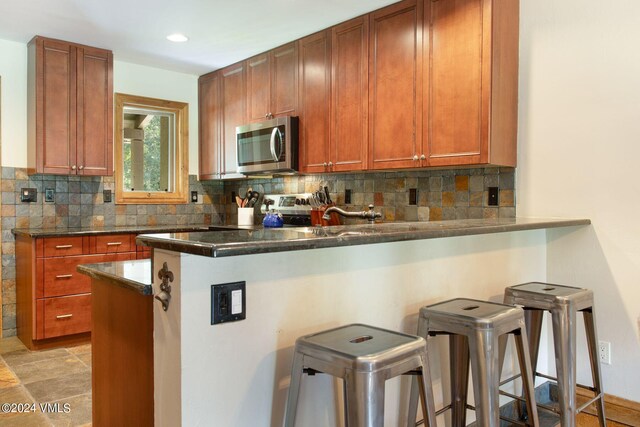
[(563, 303), (477, 329), (360, 347), (546, 296), (464, 313), (364, 357)]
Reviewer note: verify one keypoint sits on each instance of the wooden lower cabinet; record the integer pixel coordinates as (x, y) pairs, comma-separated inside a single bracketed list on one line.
[(53, 300), (66, 315), (122, 374)]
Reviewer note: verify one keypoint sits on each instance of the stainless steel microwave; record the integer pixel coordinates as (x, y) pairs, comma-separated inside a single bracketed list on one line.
[(268, 147)]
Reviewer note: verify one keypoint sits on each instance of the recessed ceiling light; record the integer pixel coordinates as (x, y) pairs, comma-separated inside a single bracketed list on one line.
[(177, 37)]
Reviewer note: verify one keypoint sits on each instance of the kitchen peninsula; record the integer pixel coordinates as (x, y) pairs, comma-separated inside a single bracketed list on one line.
[(298, 281)]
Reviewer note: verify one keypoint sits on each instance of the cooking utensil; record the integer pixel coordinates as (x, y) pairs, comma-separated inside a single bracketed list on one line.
[(326, 192), (239, 201)]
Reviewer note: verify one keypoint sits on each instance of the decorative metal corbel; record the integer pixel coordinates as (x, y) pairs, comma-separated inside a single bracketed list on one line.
[(165, 288)]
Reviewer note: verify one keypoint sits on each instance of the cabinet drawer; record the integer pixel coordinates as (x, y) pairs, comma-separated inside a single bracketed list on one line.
[(59, 276), (62, 246), (66, 315), (113, 243)]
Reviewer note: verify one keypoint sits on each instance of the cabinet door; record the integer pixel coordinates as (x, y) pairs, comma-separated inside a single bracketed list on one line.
[(473, 82), (455, 82), (233, 114), (284, 80), (395, 85), (210, 112), (55, 107), (349, 87), (315, 101), (94, 148), (258, 88)]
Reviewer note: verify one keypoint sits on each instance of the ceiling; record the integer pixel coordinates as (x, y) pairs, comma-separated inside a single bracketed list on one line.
[(220, 32)]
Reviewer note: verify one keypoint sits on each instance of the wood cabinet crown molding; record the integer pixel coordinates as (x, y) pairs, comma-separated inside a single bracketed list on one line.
[(69, 108)]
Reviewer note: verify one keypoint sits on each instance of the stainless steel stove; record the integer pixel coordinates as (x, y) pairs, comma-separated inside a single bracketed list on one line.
[(295, 208)]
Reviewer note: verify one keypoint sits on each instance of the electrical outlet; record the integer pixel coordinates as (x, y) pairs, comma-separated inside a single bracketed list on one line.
[(604, 349), (49, 195), (493, 196), (347, 196), (194, 197), (106, 196), (413, 196)]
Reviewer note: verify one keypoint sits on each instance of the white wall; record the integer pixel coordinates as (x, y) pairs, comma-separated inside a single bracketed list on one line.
[(13, 70), (578, 153), (127, 78)]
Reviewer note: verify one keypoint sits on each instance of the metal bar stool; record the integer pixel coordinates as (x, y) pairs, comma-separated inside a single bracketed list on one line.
[(475, 329), (563, 302), (364, 357)]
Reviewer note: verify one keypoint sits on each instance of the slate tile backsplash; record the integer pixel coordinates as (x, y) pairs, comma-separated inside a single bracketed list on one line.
[(79, 203), (441, 195)]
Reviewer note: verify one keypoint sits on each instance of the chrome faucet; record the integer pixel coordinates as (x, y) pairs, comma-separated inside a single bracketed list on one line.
[(370, 215)]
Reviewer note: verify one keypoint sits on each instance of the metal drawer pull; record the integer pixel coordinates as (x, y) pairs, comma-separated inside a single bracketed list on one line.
[(63, 246), (64, 316), (64, 276), (114, 243)]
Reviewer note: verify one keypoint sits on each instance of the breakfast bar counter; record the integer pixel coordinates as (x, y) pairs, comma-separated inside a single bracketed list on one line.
[(294, 281)]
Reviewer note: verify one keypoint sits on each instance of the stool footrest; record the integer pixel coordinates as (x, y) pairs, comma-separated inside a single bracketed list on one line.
[(589, 402)]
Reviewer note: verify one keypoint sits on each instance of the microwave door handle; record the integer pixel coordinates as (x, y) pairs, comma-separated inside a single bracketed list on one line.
[(272, 144)]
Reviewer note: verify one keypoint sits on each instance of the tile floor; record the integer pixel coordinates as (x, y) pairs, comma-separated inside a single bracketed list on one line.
[(60, 376)]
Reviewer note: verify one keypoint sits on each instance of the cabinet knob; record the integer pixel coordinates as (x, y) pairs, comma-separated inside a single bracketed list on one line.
[(423, 157), (266, 116), (73, 167), (81, 167), (415, 158), (324, 164), (330, 164)]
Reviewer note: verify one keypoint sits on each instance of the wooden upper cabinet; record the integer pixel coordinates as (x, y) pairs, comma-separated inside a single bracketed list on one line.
[(272, 79), (395, 85), (94, 148), (471, 98), (70, 108), (349, 87), (210, 126), (315, 101), (233, 98)]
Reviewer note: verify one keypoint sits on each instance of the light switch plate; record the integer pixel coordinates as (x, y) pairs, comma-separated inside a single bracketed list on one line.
[(28, 195), (228, 302), (106, 196)]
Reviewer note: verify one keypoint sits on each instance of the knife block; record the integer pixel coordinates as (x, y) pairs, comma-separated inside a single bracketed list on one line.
[(316, 217)]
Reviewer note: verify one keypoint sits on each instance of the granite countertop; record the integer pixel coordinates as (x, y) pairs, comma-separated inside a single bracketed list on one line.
[(245, 242), (133, 275), (92, 231)]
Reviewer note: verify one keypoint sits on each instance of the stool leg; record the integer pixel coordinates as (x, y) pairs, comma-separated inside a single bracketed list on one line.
[(426, 394), (527, 376), (592, 340), (483, 348), (459, 365), (365, 394), (423, 327), (564, 341), (533, 321), (294, 390), (345, 396)]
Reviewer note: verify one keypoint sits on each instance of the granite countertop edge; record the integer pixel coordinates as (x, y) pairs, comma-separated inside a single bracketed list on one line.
[(109, 272), (337, 236)]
